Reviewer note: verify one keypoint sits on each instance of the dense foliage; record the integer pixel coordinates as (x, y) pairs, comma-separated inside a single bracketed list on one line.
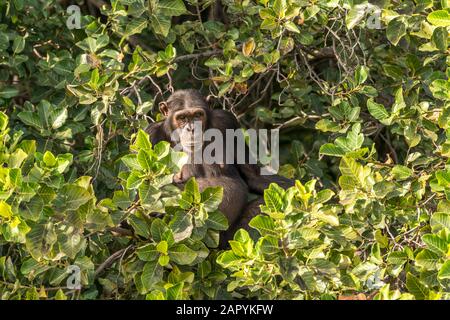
[(359, 90)]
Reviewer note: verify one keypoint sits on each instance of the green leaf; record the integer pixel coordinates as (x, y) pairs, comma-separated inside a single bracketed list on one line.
[(444, 272), (161, 24), (163, 260), (148, 194), (279, 7), (181, 254), (440, 220), (44, 109), (381, 239), (31, 119), (18, 44), (58, 117), (361, 74), (401, 172), (71, 197), (8, 92), (440, 89), (378, 111), (349, 167), (435, 243), (71, 244), (268, 24), (399, 101), (217, 221), (175, 292), (323, 196), (291, 26), (5, 210), (3, 121), (414, 286), (214, 63), (397, 257), (326, 125), (181, 226), (145, 159), (93, 45), (49, 159), (354, 16), (264, 224), (273, 199), (395, 30), (155, 295), (60, 295), (427, 259), (162, 149), (140, 226), (95, 77), (162, 247), (40, 240), (353, 141), (331, 149), (142, 140), (267, 13), (211, 198), (15, 176), (32, 209), (171, 7), (102, 41), (131, 161), (439, 18), (151, 274), (121, 199), (238, 248), (269, 245), (134, 180), (228, 258), (440, 38), (135, 26), (191, 193), (158, 230), (147, 252)]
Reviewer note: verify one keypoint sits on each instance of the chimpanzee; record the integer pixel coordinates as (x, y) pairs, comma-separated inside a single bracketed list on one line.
[(183, 111)]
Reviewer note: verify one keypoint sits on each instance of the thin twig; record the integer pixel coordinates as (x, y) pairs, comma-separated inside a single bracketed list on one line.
[(202, 54), (198, 55), (391, 148), (111, 259)]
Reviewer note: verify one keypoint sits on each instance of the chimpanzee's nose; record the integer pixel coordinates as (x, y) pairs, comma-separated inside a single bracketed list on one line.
[(190, 127)]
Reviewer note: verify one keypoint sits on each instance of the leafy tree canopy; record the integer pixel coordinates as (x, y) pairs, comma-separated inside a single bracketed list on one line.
[(360, 92)]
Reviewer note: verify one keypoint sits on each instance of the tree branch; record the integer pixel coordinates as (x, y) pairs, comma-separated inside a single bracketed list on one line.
[(111, 259), (198, 55), (122, 231)]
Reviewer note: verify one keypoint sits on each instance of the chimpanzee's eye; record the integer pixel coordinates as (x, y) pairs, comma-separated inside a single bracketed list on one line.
[(182, 118), (198, 115)]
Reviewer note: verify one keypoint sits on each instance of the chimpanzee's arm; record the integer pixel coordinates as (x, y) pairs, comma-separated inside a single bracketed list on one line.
[(257, 183), (250, 173), (157, 132)]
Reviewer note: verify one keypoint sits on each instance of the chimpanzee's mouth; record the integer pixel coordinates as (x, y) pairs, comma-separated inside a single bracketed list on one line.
[(192, 144)]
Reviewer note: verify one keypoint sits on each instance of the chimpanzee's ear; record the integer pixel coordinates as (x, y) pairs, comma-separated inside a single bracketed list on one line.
[(164, 108), (209, 100)]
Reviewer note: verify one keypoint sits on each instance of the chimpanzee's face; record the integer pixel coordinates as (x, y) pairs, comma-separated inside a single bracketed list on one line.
[(189, 125), (187, 118)]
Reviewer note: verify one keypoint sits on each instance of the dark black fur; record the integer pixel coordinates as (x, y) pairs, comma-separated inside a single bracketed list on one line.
[(236, 179)]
